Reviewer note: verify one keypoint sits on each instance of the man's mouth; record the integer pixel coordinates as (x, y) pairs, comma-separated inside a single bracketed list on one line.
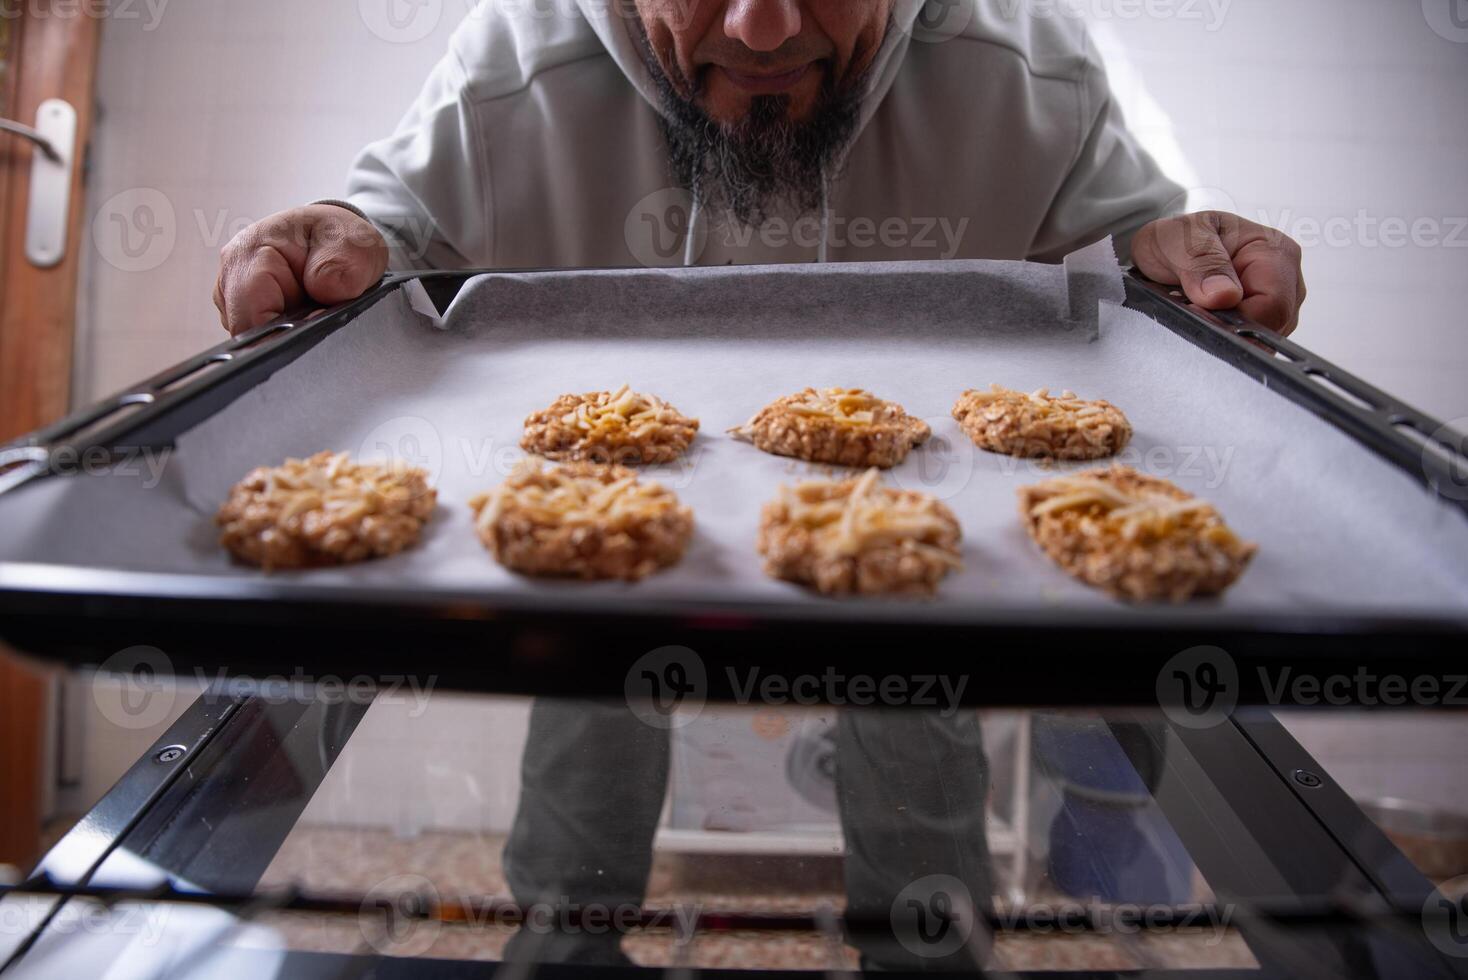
[(765, 83)]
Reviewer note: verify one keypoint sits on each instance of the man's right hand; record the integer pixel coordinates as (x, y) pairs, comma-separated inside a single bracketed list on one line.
[(322, 253)]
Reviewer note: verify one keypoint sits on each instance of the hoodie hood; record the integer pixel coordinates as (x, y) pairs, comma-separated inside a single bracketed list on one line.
[(615, 32)]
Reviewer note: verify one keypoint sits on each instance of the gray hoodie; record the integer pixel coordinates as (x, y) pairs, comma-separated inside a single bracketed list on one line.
[(987, 131)]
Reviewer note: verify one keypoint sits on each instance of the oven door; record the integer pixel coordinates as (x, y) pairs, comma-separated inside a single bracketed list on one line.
[(295, 829)]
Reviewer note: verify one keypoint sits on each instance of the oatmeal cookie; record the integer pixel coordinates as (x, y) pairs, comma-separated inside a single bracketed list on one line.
[(325, 510), (1136, 536), (622, 427), (1041, 424), (582, 520), (847, 426), (855, 536)]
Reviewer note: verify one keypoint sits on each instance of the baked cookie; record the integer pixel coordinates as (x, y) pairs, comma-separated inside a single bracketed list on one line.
[(325, 510), (582, 520), (847, 426), (1136, 536), (622, 427), (1041, 424), (856, 536)]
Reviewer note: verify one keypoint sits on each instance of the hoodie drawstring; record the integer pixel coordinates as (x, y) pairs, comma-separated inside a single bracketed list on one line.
[(695, 215), (823, 250)]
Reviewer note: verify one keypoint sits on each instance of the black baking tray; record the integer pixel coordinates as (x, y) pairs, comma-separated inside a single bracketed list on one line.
[(536, 644)]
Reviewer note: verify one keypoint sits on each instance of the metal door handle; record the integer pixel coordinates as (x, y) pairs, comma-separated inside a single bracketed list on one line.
[(25, 132), (47, 216)]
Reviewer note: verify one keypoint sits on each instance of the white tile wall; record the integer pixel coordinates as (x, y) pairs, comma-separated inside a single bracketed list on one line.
[(1418, 756), (230, 111), (117, 723), (437, 762), (1316, 111)]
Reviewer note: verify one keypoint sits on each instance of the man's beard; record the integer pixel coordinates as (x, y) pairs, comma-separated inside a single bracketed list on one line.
[(764, 162)]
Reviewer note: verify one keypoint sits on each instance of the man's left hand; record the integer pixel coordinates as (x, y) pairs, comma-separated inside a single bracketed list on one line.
[(1222, 261)]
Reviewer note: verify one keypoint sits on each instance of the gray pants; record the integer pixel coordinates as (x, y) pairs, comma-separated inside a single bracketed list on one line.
[(911, 784)]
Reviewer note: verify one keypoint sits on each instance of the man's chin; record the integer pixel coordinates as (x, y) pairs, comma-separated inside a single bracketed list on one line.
[(750, 155), (725, 103)]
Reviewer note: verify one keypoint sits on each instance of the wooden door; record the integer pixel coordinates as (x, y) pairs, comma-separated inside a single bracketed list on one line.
[(48, 51)]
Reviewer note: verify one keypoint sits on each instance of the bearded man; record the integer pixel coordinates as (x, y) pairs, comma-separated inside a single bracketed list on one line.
[(668, 132)]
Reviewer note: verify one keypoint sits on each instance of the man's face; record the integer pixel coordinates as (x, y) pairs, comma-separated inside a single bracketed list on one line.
[(725, 54)]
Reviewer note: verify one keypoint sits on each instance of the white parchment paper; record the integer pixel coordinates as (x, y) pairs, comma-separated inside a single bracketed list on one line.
[(1339, 529)]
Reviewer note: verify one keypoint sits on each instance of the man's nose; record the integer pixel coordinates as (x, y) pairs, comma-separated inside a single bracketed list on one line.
[(762, 25)]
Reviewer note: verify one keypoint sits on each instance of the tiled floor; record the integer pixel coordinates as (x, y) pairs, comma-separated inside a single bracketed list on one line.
[(338, 860)]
